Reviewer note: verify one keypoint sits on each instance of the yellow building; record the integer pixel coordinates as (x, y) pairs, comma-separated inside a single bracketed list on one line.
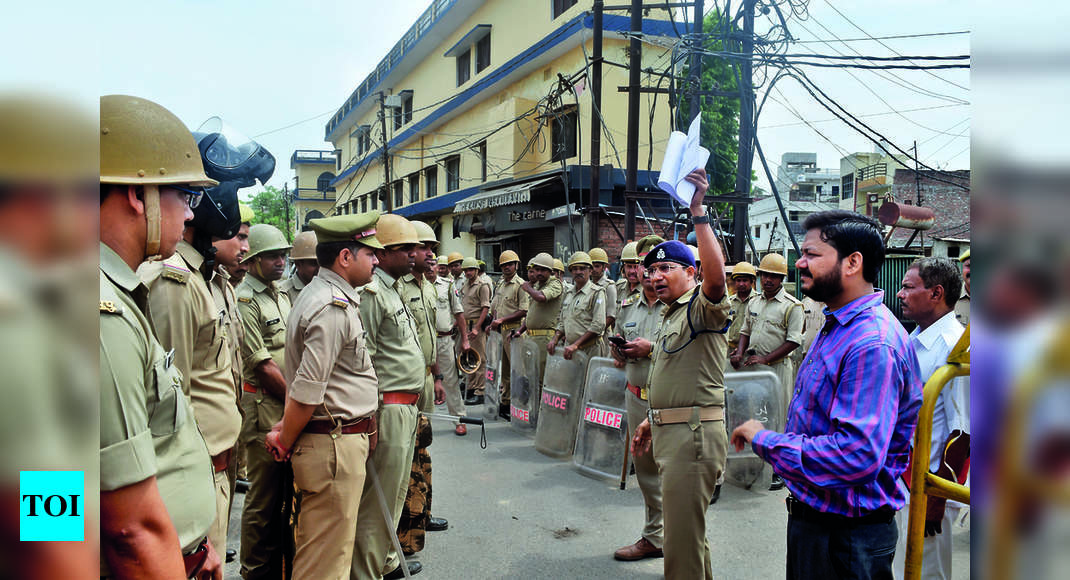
[(866, 179), (312, 194), (485, 108)]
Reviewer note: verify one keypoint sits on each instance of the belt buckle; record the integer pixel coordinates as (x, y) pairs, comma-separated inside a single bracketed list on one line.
[(654, 415)]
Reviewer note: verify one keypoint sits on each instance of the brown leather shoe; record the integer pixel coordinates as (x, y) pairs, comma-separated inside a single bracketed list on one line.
[(638, 551), (461, 430)]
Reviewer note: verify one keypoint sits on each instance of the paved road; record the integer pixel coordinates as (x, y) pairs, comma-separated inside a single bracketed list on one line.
[(515, 513)]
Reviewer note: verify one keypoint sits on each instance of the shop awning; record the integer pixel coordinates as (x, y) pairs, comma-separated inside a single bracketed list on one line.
[(503, 196)]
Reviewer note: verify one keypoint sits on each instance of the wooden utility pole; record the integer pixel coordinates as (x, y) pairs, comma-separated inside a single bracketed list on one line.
[(635, 63), (596, 125), (746, 133), (386, 154)]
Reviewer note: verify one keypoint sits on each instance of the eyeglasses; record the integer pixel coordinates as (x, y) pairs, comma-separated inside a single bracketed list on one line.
[(193, 196), (662, 269)]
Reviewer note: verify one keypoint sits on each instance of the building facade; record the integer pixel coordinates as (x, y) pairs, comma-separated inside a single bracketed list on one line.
[(804, 189), (866, 179), (313, 195)]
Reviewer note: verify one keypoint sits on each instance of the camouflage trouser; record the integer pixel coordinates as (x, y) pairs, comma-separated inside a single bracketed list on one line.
[(417, 510)]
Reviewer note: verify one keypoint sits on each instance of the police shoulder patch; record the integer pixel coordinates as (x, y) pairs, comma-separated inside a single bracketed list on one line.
[(111, 307), (175, 273), (339, 301)]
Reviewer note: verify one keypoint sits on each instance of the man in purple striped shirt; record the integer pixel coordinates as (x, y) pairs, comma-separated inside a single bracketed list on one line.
[(852, 414)]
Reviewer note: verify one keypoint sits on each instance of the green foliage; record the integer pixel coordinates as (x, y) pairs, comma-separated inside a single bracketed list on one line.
[(271, 207)]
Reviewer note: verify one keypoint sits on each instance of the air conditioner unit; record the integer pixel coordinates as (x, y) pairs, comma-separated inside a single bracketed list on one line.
[(392, 102)]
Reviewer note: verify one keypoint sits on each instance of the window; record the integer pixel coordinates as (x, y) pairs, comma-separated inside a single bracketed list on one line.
[(403, 115), (797, 216), (364, 204), (563, 125), (481, 150), (364, 139), (414, 188), (835, 191), (375, 198), (464, 67), (453, 173), (399, 197), (559, 6), (757, 231), (819, 189), (847, 184), (323, 183), (431, 181), (483, 53)]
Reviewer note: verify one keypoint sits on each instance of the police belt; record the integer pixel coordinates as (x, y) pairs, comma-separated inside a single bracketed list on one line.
[(510, 326), (541, 331), (441, 334), (640, 392), (683, 415), (394, 398), (221, 461), (194, 561), (326, 426), (800, 510)]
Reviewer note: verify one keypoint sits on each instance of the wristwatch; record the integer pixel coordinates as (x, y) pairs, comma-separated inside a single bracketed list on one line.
[(440, 377), (700, 219)]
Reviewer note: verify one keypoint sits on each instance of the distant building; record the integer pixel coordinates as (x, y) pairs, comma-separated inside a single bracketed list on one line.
[(866, 179), (313, 195), (943, 192), (804, 189)]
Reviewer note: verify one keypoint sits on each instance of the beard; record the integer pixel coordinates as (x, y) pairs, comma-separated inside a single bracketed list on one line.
[(824, 288)]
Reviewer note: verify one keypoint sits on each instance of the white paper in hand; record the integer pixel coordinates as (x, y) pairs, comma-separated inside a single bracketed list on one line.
[(683, 154)]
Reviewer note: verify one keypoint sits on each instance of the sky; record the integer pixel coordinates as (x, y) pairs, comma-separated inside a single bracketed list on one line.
[(277, 70)]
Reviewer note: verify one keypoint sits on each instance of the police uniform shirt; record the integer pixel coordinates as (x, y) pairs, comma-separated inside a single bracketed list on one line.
[(189, 315), (330, 365), (738, 313), (420, 299), (392, 339), (474, 297), (771, 322), (694, 375), (264, 311), (962, 308), (509, 297), (814, 313), (233, 326), (458, 285), (611, 295), (623, 293), (146, 422), (638, 319), (583, 310), (544, 315), (292, 286), (447, 305)]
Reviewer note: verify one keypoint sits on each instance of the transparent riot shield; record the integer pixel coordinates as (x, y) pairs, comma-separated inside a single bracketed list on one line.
[(603, 425), (560, 404), (524, 401), (750, 395), (492, 389)]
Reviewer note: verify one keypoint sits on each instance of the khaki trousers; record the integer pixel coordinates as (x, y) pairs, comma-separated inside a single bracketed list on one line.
[(217, 534), (504, 380), (445, 354), (263, 529), (477, 381), (646, 473), (373, 554), (330, 475), (690, 461)]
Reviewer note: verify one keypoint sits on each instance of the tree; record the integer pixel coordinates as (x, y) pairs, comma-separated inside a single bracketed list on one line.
[(272, 206)]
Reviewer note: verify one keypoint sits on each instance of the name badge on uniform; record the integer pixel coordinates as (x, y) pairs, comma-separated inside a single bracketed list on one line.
[(273, 321)]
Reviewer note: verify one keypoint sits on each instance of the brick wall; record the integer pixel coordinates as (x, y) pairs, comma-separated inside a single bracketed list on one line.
[(950, 204), (609, 241)]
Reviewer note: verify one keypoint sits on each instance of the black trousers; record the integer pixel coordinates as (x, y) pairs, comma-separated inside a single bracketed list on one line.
[(834, 551)]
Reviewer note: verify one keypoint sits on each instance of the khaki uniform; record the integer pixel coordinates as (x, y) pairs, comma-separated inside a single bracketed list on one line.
[(738, 313), (612, 304), (447, 305), (189, 317), (508, 299), (769, 323), (264, 310), (236, 334), (292, 286), (962, 309), (330, 366), (584, 311), (400, 367), (541, 323), (474, 297), (623, 293), (146, 422), (814, 320), (638, 319), (690, 459)]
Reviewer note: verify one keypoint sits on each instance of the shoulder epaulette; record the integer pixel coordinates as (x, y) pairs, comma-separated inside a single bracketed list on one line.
[(339, 301), (371, 287), (176, 273), (111, 307), (628, 301), (245, 299)]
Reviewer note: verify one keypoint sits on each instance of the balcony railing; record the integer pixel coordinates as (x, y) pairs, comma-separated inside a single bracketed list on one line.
[(313, 156)]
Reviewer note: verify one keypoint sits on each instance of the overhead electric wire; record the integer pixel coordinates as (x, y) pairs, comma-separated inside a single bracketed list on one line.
[(879, 38)]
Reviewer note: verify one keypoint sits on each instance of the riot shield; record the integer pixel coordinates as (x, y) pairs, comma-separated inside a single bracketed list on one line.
[(524, 364), (492, 389), (603, 427), (750, 395), (560, 404)]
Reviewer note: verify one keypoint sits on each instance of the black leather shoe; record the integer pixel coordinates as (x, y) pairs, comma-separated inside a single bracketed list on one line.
[(241, 485), (414, 568), (231, 554), (474, 400), (437, 524), (716, 494), (503, 412), (777, 484)]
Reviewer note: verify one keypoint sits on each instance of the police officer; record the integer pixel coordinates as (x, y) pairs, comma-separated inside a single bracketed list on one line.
[(545, 292), (400, 366), (600, 277), (442, 269), (237, 272), (303, 258), (188, 309), (962, 306), (559, 272), (508, 309), (639, 317), (772, 329), (328, 427), (157, 501), (743, 275), (419, 295), (264, 309), (631, 272), (583, 313), (475, 300), (449, 321), (686, 390)]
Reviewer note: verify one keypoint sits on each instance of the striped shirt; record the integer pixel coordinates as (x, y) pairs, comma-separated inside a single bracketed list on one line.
[(852, 414)]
